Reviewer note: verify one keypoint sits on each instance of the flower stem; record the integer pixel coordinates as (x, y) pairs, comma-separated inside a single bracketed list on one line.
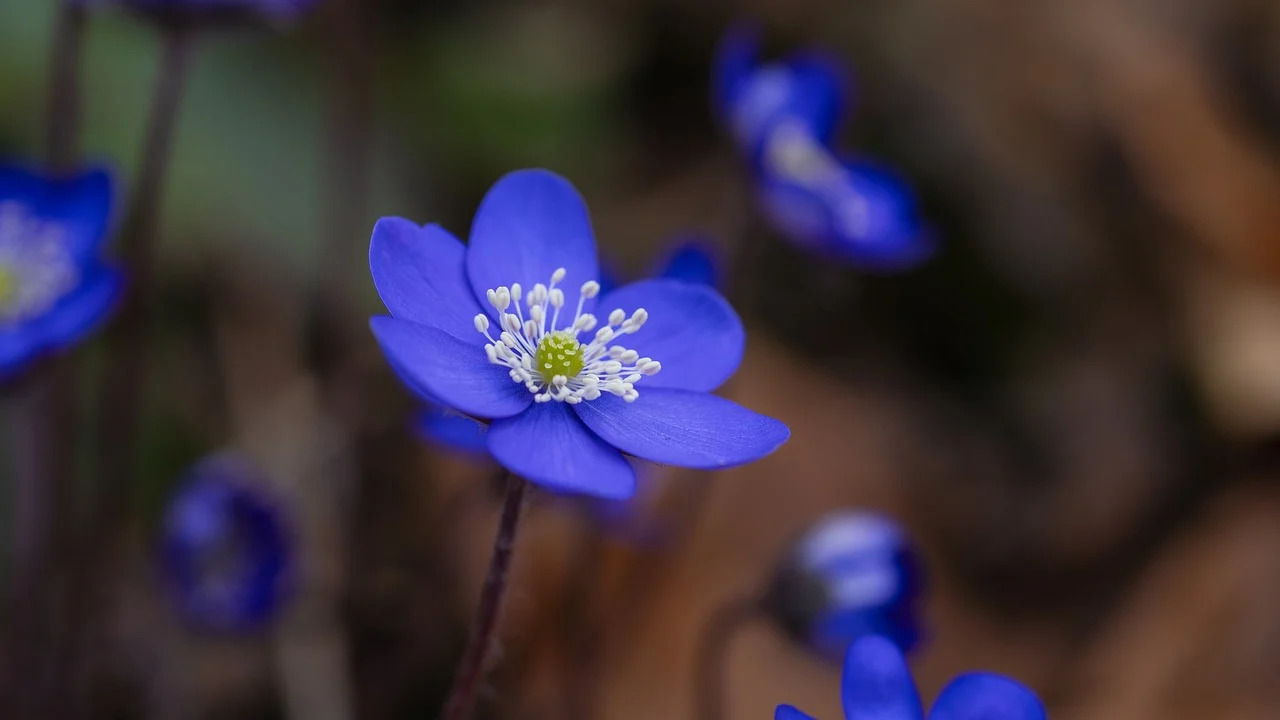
[(710, 696), (126, 361), (62, 122), (462, 697)]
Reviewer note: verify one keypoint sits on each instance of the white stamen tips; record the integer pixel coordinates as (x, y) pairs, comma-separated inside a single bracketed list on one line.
[(547, 357)]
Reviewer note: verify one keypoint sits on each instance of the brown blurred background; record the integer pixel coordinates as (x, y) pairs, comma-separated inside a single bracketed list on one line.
[(1074, 407)]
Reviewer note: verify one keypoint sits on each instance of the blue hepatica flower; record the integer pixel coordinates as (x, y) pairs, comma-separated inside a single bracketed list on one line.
[(852, 574), (54, 286), (877, 685), (690, 259), (784, 116), (226, 550), (213, 11), (488, 330)]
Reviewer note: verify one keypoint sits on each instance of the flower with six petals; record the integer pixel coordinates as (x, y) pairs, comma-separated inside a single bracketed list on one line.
[(488, 330)]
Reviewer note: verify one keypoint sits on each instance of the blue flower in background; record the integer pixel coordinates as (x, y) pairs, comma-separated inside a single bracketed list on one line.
[(465, 333), (877, 685), (851, 575), (784, 117), (54, 286), (753, 97), (690, 259), (226, 549), (214, 10)]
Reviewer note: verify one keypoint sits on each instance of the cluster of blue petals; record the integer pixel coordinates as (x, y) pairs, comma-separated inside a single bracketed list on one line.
[(784, 116), (226, 548), (54, 286), (530, 224), (850, 575), (877, 685)]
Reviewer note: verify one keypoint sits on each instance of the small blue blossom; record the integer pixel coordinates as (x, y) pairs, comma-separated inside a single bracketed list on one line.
[(213, 11), (487, 329), (54, 286), (852, 574), (877, 685), (226, 550), (784, 116)]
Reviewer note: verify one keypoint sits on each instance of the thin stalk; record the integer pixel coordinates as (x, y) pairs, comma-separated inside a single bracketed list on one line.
[(711, 671), (126, 363), (62, 119), (466, 684)]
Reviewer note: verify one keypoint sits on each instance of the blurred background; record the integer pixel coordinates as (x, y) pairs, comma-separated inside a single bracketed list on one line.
[(1073, 407)]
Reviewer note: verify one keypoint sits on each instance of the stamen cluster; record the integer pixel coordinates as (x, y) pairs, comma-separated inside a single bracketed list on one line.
[(36, 268), (550, 361)]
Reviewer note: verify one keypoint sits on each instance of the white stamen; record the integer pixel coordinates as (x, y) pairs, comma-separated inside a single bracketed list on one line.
[(612, 369), (36, 267)]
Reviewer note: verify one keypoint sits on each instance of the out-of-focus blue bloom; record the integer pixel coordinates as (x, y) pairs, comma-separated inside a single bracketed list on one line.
[(877, 685), (851, 575), (753, 97), (227, 551), (213, 11), (487, 330), (689, 259), (54, 286), (848, 210), (784, 116)]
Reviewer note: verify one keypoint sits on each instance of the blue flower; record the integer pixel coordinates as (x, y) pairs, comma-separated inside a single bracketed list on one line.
[(226, 550), (214, 11), (877, 685), (487, 330), (784, 117), (689, 259), (753, 98), (852, 574), (54, 286)]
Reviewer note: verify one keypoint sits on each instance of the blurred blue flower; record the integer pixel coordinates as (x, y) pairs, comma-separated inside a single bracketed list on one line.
[(784, 117), (753, 98), (689, 258), (852, 574), (213, 11), (563, 412), (54, 286), (877, 685), (226, 550)]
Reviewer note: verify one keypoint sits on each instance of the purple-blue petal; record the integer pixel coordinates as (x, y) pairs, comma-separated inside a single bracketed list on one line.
[(82, 310), (984, 696), (548, 445), (787, 712), (420, 274), (877, 683), (18, 345), (449, 370), (80, 204), (693, 260), (530, 223), (735, 60), (684, 428), (453, 431), (692, 330)]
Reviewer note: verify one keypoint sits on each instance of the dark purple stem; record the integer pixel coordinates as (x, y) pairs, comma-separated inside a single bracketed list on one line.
[(466, 684), (62, 122)]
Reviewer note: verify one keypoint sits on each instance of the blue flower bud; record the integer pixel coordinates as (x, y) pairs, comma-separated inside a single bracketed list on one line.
[(852, 574), (227, 552)]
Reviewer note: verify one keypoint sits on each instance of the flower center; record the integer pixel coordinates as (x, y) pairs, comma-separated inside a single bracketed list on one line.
[(549, 360), (36, 269), (793, 153)]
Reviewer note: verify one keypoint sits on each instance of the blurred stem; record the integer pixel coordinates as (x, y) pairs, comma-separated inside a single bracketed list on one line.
[(711, 670), (126, 360), (462, 697), (62, 121)]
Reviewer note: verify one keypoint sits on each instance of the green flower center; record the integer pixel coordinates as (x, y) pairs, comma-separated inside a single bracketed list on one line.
[(559, 354), (8, 288)]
